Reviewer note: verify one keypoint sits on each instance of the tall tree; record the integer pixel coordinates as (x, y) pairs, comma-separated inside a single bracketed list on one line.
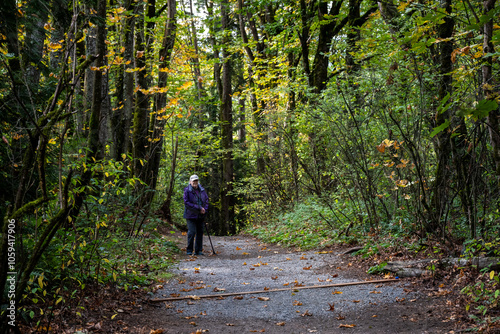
[(226, 112)]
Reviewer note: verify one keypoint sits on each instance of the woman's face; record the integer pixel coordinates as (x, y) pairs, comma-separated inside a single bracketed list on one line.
[(194, 183)]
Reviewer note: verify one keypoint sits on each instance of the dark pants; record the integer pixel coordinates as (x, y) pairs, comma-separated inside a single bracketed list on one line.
[(195, 235)]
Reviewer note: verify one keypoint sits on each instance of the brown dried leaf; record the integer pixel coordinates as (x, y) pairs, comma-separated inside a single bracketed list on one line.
[(156, 331), (346, 326)]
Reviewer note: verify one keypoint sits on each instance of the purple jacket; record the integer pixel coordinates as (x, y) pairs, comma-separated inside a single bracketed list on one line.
[(194, 200)]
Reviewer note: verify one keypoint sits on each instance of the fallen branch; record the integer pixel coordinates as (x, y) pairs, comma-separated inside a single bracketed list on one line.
[(417, 268), (274, 290)]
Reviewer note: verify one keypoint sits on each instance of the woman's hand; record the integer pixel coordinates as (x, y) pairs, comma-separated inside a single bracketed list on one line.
[(202, 211)]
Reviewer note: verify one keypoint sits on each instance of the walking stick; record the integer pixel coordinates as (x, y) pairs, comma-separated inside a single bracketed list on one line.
[(206, 229)]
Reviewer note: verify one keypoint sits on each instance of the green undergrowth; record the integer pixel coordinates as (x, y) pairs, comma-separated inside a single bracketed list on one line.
[(309, 225), (112, 248)]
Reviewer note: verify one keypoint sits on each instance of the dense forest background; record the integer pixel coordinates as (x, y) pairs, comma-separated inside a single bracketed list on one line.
[(363, 118)]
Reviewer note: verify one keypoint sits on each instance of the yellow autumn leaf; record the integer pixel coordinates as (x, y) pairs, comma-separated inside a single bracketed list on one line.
[(492, 274)]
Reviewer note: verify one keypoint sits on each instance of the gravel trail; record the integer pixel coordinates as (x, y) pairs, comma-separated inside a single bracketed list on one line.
[(244, 264)]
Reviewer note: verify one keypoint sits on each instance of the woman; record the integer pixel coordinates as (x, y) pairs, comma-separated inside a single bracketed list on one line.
[(195, 210)]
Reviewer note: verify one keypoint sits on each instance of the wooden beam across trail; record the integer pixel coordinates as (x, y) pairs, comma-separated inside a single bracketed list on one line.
[(273, 290)]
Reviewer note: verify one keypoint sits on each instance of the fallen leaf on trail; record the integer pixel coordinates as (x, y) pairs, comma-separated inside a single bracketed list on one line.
[(266, 288), (219, 289), (288, 259), (286, 284), (175, 295), (335, 275), (186, 290), (191, 317), (168, 305), (180, 311), (252, 268), (194, 297), (256, 265), (346, 326), (203, 313), (356, 301), (190, 302), (259, 257), (340, 317), (413, 300), (264, 298), (332, 306), (307, 268), (339, 268), (244, 263), (238, 297), (335, 292), (303, 258), (320, 280), (306, 313), (323, 252), (228, 324), (245, 283), (256, 331), (245, 253), (156, 331), (238, 248), (274, 277), (280, 323), (374, 316), (400, 299), (221, 298), (296, 303), (192, 323), (375, 292), (184, 233), (378, 286), (387, 276)]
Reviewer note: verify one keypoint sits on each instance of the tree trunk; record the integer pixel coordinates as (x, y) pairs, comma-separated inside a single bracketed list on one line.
[(158, 120), (141, 111), (489, 84), (165, 207), (121, 116), (227, 199)]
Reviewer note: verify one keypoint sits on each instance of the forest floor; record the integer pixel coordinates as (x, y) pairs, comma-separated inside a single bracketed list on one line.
[(243, 263)]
